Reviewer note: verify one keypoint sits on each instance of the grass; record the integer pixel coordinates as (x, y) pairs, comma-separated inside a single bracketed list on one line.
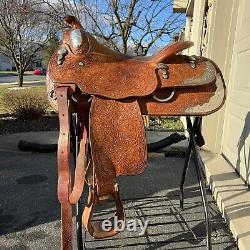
[(172, 123), (8, 88), (7, 72), (12, 72)]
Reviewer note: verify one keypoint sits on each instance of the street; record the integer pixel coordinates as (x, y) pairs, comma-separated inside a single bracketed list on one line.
[(28, 79)]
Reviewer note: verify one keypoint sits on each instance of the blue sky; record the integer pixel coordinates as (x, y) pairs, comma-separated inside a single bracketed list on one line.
[(164, 8)]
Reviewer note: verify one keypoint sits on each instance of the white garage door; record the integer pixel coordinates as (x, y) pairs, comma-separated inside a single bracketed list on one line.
[(236, 138)]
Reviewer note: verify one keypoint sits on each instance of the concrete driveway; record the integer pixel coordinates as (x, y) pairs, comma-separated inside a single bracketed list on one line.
[(30, 213)]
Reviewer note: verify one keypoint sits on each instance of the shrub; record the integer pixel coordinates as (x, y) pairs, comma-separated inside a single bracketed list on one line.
[(26, 103)]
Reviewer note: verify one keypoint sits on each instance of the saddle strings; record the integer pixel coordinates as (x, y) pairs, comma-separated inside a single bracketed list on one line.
[(88, 39)]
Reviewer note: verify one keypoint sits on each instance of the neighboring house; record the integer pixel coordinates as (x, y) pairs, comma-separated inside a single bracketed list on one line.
[(5, 63), (220, 30)]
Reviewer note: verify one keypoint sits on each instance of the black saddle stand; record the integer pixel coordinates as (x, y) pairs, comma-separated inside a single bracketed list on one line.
[(195, 138)]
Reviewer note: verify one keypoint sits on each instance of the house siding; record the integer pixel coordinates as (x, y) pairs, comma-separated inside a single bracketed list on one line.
[(5, 63)]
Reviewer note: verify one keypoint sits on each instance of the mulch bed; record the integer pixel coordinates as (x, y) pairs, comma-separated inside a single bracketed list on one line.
[(9, 125)]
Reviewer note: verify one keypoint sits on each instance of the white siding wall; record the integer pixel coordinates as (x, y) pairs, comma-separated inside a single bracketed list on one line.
[(236, 138)]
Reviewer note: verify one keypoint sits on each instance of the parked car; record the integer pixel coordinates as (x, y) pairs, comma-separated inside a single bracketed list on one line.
[(39, 71)]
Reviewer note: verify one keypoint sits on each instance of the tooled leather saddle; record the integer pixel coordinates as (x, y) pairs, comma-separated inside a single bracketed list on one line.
[(110, 92)]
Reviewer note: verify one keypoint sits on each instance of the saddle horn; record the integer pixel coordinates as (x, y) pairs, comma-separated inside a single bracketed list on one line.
[(72, 21)]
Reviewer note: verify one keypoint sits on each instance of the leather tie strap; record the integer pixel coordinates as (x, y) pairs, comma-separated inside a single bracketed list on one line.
[(80, 169), (95, 228), (65, 196)]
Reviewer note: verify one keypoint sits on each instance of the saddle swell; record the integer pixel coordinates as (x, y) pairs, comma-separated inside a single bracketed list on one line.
[(110, 92)]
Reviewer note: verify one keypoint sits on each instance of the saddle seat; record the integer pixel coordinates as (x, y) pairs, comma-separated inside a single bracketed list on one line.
[(114, 56), (164, 54)]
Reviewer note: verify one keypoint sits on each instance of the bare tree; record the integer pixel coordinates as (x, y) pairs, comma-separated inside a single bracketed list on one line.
[(49, 49), (23, 33), (129, 26)]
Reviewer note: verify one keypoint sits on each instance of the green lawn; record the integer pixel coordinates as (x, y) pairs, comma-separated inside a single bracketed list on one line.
[(172, 123), (7, 72), (8, 88), (4, 72)]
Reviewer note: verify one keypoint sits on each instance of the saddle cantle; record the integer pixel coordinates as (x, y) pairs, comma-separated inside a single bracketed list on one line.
[(109, 92)]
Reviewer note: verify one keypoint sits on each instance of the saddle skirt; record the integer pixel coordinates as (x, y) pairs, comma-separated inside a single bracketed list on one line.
[(119, 89)]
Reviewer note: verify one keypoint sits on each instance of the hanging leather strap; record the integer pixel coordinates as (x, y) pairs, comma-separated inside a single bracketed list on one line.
[(63, 161), (65, 196), (95, 228)]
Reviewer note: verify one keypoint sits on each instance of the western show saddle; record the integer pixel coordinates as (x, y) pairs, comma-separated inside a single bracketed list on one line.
[(110, 92)]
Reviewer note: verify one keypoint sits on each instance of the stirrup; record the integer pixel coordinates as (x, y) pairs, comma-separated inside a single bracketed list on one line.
[(95, 228)]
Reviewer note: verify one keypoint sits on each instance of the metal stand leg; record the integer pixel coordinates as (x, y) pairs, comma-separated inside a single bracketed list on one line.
[(184, 173), (84, 242), (75, 147), (201, 182)]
